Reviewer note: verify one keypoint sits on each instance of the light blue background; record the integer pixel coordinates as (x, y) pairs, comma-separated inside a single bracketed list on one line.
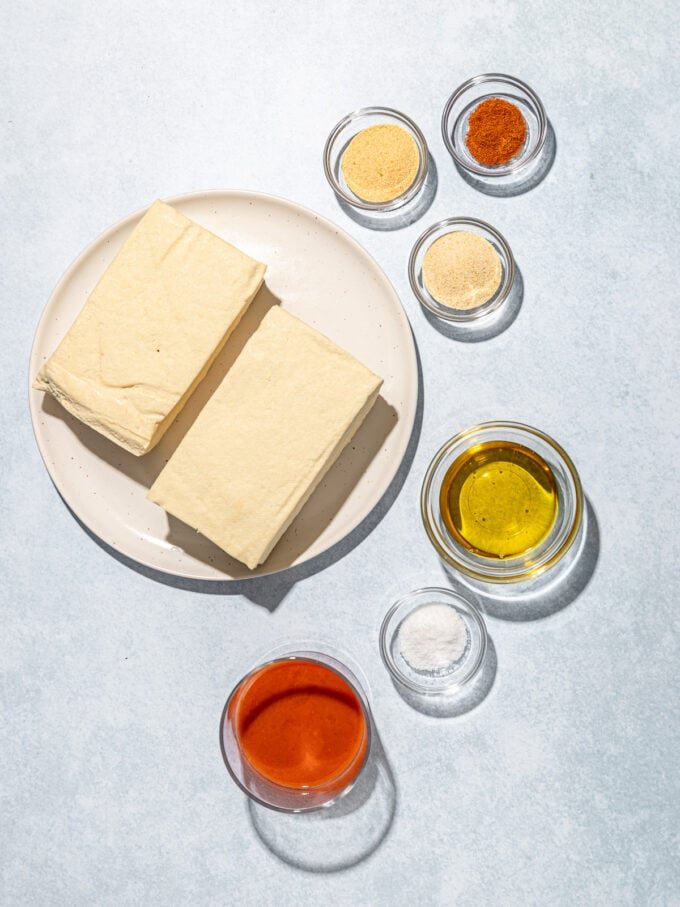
[(560, 788)]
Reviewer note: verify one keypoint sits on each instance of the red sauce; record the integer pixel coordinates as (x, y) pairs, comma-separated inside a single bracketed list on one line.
[(299, 724)]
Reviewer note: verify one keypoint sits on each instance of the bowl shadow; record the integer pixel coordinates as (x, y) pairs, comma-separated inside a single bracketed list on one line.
[(400, 217), (453, 706), (489, 327), (551, 598), (341, 835), (507, 187)]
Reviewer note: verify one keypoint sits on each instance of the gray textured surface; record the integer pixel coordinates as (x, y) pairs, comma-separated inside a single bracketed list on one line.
[(559, 788)]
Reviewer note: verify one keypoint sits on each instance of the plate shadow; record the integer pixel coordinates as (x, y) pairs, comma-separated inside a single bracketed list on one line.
[(268, 590)]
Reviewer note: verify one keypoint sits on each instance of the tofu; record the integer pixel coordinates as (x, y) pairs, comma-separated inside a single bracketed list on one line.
[(151, 328), (267, 436)]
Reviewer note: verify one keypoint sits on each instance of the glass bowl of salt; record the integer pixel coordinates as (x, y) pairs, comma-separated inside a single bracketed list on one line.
[(433, 642)]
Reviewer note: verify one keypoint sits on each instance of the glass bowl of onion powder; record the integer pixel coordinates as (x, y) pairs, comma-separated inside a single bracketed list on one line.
[(462, 271), (433, 642)]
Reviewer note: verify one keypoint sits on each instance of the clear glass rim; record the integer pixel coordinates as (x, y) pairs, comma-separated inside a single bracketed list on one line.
[(487, 308), (368, 739), (442, 593), (510, 168), (481, 569), (409, 193)]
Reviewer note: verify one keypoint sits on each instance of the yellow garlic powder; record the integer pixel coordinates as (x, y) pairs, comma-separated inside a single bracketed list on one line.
[(381, 163), (462, 270)]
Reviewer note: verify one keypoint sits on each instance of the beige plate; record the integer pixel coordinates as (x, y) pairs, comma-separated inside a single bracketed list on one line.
[(318, 273)]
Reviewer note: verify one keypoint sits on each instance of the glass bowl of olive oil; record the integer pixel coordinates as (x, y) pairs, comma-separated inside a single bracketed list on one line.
[(502, 502)]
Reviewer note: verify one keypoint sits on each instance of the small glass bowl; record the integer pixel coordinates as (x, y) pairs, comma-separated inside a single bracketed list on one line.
[(541, 559), (447, 682), (340, 137), (261, 789), (467, 97), (445, 312)]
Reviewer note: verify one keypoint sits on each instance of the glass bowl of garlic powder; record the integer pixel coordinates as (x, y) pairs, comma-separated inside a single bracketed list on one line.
[(376, 160), (433, 642), (462, 270)]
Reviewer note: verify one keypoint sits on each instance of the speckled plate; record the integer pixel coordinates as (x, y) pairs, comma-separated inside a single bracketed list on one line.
[(316, 271)]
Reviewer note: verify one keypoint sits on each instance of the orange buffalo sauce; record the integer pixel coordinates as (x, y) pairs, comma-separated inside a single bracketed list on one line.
[(299, 724)]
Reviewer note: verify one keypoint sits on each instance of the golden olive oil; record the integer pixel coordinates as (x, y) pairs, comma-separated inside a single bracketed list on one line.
[(499, 499)]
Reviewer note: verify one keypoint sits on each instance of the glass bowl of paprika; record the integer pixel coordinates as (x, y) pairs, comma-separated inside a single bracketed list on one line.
[(494, 126)]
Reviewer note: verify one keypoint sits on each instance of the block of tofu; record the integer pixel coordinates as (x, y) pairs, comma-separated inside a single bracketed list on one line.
[(265, 439), (151, 328)]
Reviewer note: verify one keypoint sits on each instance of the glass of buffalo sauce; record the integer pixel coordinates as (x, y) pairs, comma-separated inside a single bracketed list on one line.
[(296, 731)]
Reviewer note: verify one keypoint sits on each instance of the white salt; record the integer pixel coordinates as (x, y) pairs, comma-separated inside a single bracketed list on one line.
[(432, 637)]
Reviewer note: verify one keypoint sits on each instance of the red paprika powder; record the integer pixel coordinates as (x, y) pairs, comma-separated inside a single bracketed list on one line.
[(496, 132)]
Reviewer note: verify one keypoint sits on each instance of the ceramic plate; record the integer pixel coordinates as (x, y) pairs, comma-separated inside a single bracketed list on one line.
[(317, 272)]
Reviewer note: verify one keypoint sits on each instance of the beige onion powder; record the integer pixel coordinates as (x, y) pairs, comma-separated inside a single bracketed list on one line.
[(462, 270)]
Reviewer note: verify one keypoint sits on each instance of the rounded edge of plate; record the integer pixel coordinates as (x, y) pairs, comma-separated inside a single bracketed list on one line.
[(33, 367)]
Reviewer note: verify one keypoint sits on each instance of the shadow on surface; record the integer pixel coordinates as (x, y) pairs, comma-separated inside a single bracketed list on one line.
[(339, 836), (555, 596), (266, 591), (269, 591), (317, 513), (401, 217), (524, 181), (488, 327), (443, 706)]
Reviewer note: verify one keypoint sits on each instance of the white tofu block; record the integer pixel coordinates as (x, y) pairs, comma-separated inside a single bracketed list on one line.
[(151, 328), (265, 439)]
